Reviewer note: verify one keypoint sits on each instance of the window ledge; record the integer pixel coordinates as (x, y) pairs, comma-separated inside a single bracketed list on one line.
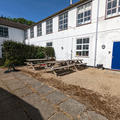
[(82, 56), (110, 17), (62, 30), (49, 33), (83, 24)]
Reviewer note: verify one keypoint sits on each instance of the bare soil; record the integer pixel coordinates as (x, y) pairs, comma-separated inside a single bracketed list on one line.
[(97, 89)]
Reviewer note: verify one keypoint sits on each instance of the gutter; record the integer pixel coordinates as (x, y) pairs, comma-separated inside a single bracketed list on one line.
[(97, 22)]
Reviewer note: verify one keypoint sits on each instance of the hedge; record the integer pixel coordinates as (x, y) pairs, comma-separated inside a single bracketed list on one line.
[(17, 53)]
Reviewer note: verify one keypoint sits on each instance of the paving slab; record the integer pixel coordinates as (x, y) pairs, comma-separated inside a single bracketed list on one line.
[(6, 76), (36, 84), (46, 109), (44, 90), (15, 84), (73, 107), (3, 86), (30, 81), (59, 116), (33, 99), (56, 97), (23, 92)]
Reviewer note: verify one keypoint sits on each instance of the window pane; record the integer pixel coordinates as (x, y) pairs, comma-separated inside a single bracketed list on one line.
[(32, 32), (39, 29), (119, 9), (49, 44), (49, 26), (85, 47), (3, 31), (79, 41), (79, 53), (86, 40), (113, 10), (108, 12), (79, 47), (112, 7), (26, 34), (84, 14), (82, 47), (109, 5), (63, 21), (114, 4)]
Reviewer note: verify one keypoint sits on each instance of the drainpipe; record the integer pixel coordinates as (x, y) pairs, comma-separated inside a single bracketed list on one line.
[(96, 33), (72, 50)]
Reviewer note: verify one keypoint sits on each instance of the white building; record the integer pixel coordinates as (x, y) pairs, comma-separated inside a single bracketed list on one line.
[(88, 29), (11, 31)]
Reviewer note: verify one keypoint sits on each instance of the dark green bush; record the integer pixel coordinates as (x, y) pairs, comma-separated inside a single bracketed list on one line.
[(40, 52), (50, 52), (1, 62), (17, 53)]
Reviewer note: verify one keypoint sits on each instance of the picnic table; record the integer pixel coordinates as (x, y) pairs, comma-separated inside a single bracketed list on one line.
[(35, 63), (56, 66)]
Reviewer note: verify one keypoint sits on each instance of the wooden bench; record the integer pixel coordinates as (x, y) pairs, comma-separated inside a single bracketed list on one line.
[(35, 66), (67, 67)]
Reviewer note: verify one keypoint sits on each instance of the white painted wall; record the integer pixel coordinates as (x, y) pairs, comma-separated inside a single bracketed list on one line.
[(14, 35), (108, 31)]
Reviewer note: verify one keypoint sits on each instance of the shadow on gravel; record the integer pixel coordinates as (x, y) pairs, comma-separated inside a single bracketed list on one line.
[(7, 71), (14, 108)]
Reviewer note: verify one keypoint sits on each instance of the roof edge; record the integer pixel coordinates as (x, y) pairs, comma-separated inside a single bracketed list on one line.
[(61, 11), (9, 23)]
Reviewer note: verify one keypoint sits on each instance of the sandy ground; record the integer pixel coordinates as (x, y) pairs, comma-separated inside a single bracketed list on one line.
[(101, 81), (104, 82)]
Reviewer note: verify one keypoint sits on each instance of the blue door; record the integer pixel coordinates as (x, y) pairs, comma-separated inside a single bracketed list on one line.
[(116, 56)]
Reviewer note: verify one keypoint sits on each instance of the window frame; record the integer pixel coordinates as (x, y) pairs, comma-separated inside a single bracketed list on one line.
[(49, 26), (115, 14), (63, 20), (32, 35), (82, 49), (39, 30), (77, 24), (26, 34), (4, 33)]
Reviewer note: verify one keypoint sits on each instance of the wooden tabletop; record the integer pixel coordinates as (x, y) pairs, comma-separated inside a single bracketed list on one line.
[(32, 60)]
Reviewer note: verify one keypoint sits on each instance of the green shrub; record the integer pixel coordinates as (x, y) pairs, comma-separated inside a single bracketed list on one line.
[(17, 53), (1, 62), (50, 52), (40, 52)]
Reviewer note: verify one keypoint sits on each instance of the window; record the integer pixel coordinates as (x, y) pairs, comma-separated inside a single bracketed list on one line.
[(63, 21), (32, 32), (26, 34), (3, 31), (39, 29), (49, 26), (49, 44), (113, 7), (84, 14), (82, 47)]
